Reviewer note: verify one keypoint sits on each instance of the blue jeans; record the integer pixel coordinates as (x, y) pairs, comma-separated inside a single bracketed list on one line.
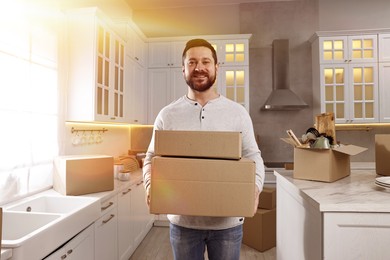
[(190, 244)]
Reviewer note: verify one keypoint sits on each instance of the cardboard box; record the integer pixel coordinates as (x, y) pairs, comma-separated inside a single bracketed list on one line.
[(259, 232), (327, 165), (203, 144), (267, 198), (202, 187), (382, 154), (78, 175)]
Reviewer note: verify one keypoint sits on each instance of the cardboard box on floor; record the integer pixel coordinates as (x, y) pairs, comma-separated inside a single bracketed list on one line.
[(327, 165), (259, 232), (83, 174), (204, 144), (267, 198), (382, 154), (202, 187)]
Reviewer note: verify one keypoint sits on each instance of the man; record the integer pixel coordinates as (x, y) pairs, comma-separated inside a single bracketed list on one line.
[(204, 109)]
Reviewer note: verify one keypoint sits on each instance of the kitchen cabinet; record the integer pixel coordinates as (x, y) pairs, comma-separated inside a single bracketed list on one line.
[(106, 233), (142, 220), (125, 231), (233, 83), (232, 52), (165, 86), (346, 219), (384, 47), (345, 78), (136, 47), (80, 247), (166, 54), (95, 91), (356, 235), (135, 80), (384, 91)]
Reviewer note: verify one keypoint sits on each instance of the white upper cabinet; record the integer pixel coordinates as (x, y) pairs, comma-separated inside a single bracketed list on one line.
[(166, 54), (232, 52), (345, 77), (96, 69), (384, 47), (345, 49)]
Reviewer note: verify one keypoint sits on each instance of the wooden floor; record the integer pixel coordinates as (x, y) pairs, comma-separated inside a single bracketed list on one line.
[(156, 246)]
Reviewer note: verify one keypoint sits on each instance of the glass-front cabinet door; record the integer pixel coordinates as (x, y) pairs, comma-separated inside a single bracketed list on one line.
[(334, 91), (103, 71), (350, 92), (364, 92), (346, 49), (232, 52), (119, 78), (233, 83)]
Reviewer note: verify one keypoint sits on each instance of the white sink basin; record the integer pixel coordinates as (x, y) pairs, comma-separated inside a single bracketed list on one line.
[(52, 219), (17, 225), (52, 204)]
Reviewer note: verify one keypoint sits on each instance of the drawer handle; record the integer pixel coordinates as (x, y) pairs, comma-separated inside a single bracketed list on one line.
[(109, 205), (63, 256), (125, 192), (139, 183), (105, 221), (69, 251)]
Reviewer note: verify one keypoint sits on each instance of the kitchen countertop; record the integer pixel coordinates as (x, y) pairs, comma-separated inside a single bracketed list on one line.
[(354, 193)]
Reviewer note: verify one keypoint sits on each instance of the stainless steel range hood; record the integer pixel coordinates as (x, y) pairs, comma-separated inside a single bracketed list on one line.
[(282, 97)]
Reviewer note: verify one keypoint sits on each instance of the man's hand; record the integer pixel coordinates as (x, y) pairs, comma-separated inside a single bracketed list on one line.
[(257, 193), (147, 196)]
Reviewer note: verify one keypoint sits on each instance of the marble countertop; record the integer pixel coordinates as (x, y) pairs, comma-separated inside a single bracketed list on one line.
[(354, 193)]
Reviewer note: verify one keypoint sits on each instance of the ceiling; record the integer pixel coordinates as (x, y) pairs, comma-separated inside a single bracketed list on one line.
[(159, 4)]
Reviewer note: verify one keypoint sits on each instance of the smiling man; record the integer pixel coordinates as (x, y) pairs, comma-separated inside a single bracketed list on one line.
[(203, 109)]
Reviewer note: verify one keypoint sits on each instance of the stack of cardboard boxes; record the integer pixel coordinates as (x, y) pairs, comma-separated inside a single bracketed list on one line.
[(201, 173), (260, 230)]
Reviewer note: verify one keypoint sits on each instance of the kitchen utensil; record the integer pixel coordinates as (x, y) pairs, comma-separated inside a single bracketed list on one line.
[(321, 143), (293, 136), (325, 123)]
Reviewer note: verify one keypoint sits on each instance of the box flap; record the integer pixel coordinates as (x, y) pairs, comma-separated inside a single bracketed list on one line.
[(350, 149)]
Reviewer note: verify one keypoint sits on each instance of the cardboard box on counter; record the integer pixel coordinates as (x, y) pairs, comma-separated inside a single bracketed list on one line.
[(205, 144), (382, 154), (83, 174), (259, 232), (202, 187), (327, 165), (267, 198)]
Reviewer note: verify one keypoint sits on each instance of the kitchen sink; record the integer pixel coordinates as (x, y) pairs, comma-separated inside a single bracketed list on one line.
[(52, 204), (18, 225), (53, 219)]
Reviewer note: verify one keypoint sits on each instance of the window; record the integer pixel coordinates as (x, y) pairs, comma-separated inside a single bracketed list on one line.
[(29, 107)]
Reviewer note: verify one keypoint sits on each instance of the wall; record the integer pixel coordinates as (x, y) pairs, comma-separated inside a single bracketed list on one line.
[(295, 21), (353, 14)]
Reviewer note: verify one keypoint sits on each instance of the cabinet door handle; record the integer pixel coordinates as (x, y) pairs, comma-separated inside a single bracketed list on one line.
[(125, 192), (107, 220), (69, 251), (63, 256), (112, 118), (109, 205), (136, 58), (139, 183)]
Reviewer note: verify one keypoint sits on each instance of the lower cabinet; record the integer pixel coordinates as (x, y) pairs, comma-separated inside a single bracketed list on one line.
[(78, 248), (106, 236), (134, 220), (356, 235)]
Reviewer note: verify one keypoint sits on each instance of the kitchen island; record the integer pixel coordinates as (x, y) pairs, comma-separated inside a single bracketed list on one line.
[(346, 219)]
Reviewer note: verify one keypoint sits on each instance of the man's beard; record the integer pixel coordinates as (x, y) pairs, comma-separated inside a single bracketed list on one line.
[(194, 83)]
